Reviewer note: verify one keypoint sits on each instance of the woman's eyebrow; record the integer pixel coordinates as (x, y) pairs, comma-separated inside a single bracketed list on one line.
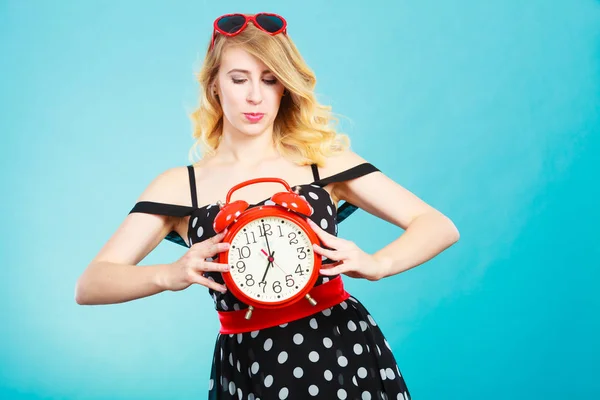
[(245, 71)]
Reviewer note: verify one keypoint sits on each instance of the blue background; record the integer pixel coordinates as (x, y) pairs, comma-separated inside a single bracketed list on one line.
[(487, 110)]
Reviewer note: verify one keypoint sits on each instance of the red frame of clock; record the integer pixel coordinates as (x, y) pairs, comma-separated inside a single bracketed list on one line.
[(235, 216)]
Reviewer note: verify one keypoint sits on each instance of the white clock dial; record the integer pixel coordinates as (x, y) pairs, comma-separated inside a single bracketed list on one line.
[(291, 253)]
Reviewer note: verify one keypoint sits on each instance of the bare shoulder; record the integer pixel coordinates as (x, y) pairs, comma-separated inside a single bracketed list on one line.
[(170, 186), (377, 193), (341, 162), (139, 233)]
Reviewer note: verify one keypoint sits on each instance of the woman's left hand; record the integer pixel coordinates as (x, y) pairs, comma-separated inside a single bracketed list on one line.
[(350, 259)]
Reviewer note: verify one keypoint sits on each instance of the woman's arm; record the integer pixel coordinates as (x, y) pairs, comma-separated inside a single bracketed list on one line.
[(113, 275), (428, 232)]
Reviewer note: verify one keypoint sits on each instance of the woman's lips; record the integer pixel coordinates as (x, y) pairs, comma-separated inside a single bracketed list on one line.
[(254, 117)]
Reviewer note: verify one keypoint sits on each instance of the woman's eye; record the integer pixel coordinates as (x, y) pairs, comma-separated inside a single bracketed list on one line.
[(238, 81)]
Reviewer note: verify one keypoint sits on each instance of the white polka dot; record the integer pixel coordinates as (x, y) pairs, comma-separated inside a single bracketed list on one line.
[(284, 204), (298, 338), (282, 357), (255, 367), (231, 388), (371, 320), (251, 396), (240, 394), (313, 356), (328, 375), (236, 307), (283, 393), (358, 349), (239, 367), (343, 361), (298, 372), (313, 323), (224, 305), (354, 381), (268, 380), (351, 326), (352, 299), (378, 349), (239, 338), (313, 195), (383, 375), (283, 325), (329, 210), (366, 396), (200, 231), (363, 325), (344, 305), (313, 390), (211, 384), (389, 373), (325, 279), (324, 223), (326, 312), (294, 205), (269, 203), (231, 359), (254, 334), (362, 372), (194, 222), (387, 344), (342, 394), (327, 342), (268, 344)]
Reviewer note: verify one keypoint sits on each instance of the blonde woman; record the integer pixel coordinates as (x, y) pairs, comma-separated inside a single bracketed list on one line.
[(258, 117)]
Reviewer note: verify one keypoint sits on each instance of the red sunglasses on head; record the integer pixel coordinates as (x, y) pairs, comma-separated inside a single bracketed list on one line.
[(233, 24)]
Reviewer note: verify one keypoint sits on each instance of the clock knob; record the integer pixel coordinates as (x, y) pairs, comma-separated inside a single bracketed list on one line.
[(249, 312), (292, 201), (228, 213), (310, 299)]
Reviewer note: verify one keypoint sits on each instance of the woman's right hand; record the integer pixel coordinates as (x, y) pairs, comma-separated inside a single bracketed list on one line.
[(190, 267)]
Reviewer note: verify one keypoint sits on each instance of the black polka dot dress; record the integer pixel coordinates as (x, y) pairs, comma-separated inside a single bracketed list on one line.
[(337, 353)]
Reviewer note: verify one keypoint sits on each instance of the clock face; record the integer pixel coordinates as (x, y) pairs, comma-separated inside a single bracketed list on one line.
[(271, 259)]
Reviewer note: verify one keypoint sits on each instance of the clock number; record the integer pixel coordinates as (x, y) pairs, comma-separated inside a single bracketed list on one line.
[(267, 230), (301, 253), (277, 287), (249, 280), (292, 237), (289, 282), (248, 238), (298, 270), (262, 284), (243, 252), (241, 269), (280, 231)]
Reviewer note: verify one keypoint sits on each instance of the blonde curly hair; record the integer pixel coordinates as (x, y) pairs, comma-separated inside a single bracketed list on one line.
[(304, 130)]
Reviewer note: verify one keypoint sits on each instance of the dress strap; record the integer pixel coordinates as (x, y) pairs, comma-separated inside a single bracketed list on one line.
[(351, 173), (173, 210), (193, 185), (346, 209), (315, 171)]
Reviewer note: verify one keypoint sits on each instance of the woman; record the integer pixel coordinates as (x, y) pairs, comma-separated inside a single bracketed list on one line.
[(258, 117)]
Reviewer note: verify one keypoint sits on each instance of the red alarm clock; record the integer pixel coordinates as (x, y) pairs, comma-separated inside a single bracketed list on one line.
[(271, 257)]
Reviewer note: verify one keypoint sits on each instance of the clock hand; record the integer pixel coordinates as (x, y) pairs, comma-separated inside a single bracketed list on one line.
[(272, 260), (267, 269)]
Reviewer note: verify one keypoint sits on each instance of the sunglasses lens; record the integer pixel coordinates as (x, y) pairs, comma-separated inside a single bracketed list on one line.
[(232, 23), (270, 23)]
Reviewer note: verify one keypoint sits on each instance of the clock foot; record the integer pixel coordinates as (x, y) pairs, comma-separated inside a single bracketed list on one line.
[(311, 300), (249, 312)]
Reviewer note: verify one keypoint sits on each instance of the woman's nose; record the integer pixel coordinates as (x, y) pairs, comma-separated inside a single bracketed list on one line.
[(254, 95)]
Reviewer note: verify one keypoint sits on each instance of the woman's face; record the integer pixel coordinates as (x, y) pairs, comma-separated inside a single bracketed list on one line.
[(248, 92)]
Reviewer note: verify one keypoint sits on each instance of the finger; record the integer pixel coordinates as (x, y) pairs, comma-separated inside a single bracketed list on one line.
[(331, 254), (340, 269), (216, 248), (328, 239), (213, 266), (209, 283)]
